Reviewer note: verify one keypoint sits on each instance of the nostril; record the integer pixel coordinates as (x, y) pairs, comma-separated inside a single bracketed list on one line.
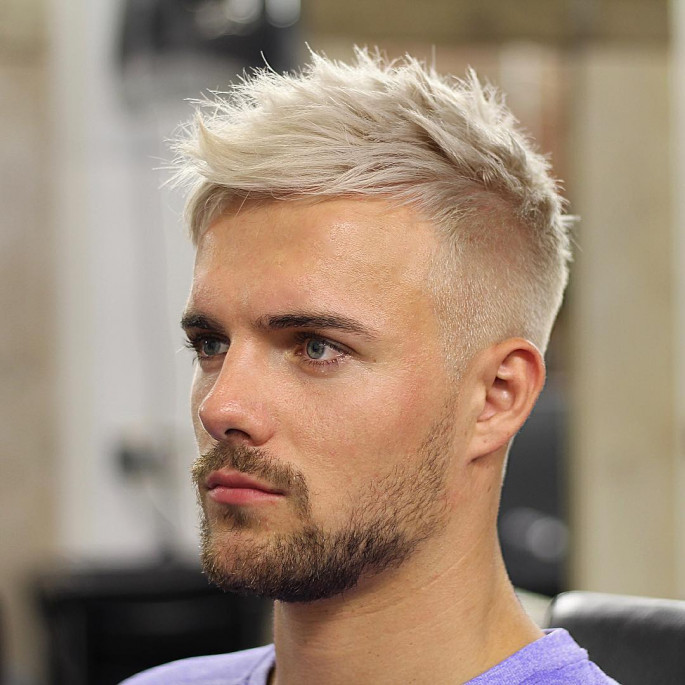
[(236, 433)]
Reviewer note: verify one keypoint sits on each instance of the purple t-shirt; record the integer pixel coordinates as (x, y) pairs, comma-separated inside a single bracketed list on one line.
[(554, 659)]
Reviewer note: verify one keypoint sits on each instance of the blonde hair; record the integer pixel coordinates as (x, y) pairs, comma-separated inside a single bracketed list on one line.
[(396, 129)]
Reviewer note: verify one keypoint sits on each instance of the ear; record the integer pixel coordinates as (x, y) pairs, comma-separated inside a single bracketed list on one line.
[(510, 375)]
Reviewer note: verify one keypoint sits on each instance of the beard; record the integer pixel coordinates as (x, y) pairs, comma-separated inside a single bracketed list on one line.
[(384, 526)]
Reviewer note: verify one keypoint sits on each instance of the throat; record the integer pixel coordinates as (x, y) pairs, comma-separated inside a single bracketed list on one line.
[(420, 635)]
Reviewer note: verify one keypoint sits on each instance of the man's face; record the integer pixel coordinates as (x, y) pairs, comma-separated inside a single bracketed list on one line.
[(322, 404)]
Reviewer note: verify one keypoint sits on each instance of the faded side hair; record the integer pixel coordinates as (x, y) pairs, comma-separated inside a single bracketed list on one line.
[(447, 147)]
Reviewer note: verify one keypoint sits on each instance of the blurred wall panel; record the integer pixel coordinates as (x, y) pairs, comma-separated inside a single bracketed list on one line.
[(27, 336), (678, 261), (624, 457), (93, 221), (21, 30), (452, 22)]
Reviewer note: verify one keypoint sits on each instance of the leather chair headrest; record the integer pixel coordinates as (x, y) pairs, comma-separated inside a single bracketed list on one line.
[(633, 639)]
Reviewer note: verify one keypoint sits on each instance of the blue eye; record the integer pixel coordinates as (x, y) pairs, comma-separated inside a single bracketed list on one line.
[(315, 349), (318, 352), (210, 347), (207, 347)]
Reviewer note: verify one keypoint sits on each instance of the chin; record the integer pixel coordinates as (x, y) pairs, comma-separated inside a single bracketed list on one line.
[(305, 566)]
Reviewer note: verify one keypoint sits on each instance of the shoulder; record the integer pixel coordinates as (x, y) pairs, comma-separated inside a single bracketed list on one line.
[(250, 667), (555, 659)]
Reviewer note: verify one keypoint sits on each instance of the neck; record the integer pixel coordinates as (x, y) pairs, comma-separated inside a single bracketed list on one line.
[(433, 620)]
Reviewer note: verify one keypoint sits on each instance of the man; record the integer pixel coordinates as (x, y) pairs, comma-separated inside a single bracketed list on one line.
[(380, 258)]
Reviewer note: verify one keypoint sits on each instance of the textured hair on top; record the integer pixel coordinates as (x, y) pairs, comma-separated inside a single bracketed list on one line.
[(397, 130)]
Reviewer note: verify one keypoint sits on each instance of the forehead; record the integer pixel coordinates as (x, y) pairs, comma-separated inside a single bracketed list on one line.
[(348, 250)]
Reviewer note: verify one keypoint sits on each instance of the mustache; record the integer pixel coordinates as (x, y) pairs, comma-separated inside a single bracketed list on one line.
[(256, 462)]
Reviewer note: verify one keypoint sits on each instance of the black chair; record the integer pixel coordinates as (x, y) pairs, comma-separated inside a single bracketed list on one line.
[(104, 624), (635, 640)]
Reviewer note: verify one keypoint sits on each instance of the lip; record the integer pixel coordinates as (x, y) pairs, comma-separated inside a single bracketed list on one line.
[(232, 487)]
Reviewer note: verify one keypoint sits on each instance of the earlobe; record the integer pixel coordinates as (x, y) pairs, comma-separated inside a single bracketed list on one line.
[(512, 376)]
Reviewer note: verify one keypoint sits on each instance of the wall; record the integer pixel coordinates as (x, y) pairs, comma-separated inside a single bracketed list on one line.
[(677, 84), (123, 269), (28, 333), (624, 455)]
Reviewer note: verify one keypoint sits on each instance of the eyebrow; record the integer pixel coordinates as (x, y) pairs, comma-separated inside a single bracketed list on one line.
[(316, 320), (285, 321), (200, 321)]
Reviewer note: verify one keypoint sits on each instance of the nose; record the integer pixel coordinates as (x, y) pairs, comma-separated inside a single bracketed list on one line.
[(232, 405)]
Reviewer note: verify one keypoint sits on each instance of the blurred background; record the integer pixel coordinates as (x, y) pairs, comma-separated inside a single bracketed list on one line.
[(98, 539)]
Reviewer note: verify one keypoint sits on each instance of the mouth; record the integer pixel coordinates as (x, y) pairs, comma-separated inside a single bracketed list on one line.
[(232, 487)]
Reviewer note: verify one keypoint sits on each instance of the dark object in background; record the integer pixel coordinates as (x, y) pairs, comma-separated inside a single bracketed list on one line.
[(107, 624), (532, 519), (635, 640), (243, 31)]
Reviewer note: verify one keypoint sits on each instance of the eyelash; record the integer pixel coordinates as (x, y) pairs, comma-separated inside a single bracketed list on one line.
[(302, 338), (194, 342)]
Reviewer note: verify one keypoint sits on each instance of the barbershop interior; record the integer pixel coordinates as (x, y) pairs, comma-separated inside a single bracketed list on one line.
[(99, 570)]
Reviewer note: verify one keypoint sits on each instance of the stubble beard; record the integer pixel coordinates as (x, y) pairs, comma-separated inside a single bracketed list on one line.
[(385, 525)]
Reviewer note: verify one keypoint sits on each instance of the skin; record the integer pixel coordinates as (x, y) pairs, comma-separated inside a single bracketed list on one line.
[(448, 612)]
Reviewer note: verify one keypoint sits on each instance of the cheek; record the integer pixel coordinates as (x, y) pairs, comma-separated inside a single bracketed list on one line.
[(362, 432)]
